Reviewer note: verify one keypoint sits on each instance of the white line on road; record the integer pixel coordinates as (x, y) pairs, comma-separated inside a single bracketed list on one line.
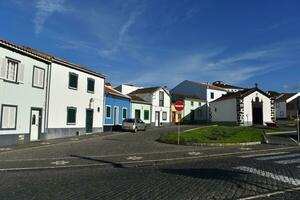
[(294, 140), (281, 178), (270, 194), (279, 157), (285, 162), (263, 154)]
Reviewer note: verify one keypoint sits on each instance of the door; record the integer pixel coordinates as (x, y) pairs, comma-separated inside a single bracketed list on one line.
[(257, 112), (116, 116), (35, 126), (192, 115), (157, 118), (89, 118), (137, 114)]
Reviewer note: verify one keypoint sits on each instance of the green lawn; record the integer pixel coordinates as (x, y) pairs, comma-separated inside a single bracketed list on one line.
[(218, 134)]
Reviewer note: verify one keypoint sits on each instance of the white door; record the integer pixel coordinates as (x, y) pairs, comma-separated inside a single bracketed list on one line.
[(116, 115), (35, 125)]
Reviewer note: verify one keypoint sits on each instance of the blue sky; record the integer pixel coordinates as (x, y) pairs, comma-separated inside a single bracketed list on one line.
[(163, 42)]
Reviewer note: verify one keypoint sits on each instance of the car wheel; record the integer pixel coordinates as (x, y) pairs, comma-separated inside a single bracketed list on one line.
[(145, 128), (135, 130)]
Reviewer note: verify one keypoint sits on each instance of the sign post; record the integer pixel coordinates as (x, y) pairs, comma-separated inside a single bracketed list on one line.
[(298, 121), (179, 106)]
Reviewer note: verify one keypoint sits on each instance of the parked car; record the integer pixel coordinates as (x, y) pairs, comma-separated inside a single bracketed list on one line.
[(131, 124)]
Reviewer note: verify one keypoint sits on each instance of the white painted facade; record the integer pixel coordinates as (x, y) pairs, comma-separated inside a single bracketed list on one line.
[(216, 94), (224, 111), (159, 114), (61, 97), (234, 109), (126, 89), (21, 93)]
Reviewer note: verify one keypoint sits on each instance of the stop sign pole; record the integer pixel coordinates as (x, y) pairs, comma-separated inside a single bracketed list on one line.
[(179, 106)]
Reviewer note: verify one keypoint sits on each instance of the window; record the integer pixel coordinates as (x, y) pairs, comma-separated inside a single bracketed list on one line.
[(137, 114), (216, 110), (38, 77), (146, 114), (164, 116), (71, 115), (108, 111), (9, 117), (11, 70), (90, 85), (73, 81), (212, 95), (192, 103), (161, 98), (124, 113)]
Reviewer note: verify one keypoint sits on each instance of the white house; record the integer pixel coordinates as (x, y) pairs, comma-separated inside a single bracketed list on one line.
[(286, 105), (75, 100), (227, 87), (127, 88), (23, 93), (160, 101), (45, 97), (204, 91), (247, 107)]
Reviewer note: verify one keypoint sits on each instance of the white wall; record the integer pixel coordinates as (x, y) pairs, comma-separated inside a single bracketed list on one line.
[(166, 108), (224, 111), (281, 109), (217, 94), (23, 94), (61, 97), (248, 107), (126, 89)]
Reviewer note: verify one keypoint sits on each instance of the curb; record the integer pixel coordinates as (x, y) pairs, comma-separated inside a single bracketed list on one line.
[(222, 144)]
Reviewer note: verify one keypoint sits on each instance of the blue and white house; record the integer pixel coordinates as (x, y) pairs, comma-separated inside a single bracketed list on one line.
[(117, 107)]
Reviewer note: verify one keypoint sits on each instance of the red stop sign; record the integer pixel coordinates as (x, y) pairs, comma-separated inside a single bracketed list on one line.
[(179, 106)]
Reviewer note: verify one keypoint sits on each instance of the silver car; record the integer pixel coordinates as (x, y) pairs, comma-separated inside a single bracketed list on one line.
[(131, 124)]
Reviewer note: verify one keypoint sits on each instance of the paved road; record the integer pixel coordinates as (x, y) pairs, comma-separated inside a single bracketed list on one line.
[(136, 166)]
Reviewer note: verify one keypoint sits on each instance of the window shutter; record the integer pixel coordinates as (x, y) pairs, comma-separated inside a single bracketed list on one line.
[(41, 78), (3, 69), (12, 117), (21, 73), (5, 117), (36, 77)]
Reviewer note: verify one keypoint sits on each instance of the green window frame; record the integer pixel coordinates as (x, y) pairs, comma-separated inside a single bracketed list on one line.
[(146, 114), (108, 112), (73, 81), (71, 115), (90, 85)]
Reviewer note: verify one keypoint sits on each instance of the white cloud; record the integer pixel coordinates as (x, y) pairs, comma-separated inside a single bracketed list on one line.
[(45, 8)]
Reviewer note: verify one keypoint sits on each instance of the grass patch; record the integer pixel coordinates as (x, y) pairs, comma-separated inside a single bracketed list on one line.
[(219, 134)]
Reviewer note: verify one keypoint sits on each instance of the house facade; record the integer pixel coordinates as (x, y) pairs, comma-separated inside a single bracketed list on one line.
[(127, 88), (117, 108), (76, 97), (23, 92), (286, 105), (44, 97), (160, 101), (194, 109), (141, 109), (203, 91), (247, 107)]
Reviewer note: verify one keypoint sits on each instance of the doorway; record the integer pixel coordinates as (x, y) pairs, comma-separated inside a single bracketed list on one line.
[(157, 118), (89, 118), (257, 112), (116, 116), (35, 124)]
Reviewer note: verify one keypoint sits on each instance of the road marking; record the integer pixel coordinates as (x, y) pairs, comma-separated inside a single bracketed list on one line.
[(285, 162), (245, 148), (270, 194), (60, 162), (5, 149), (194, 153), (281, 178), (74, 139), (279, 157), (294, 140), (45, 143), (263, 154), (134, 158)]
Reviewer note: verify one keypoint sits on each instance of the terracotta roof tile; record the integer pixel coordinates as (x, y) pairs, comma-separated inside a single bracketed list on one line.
[(110, 90)]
